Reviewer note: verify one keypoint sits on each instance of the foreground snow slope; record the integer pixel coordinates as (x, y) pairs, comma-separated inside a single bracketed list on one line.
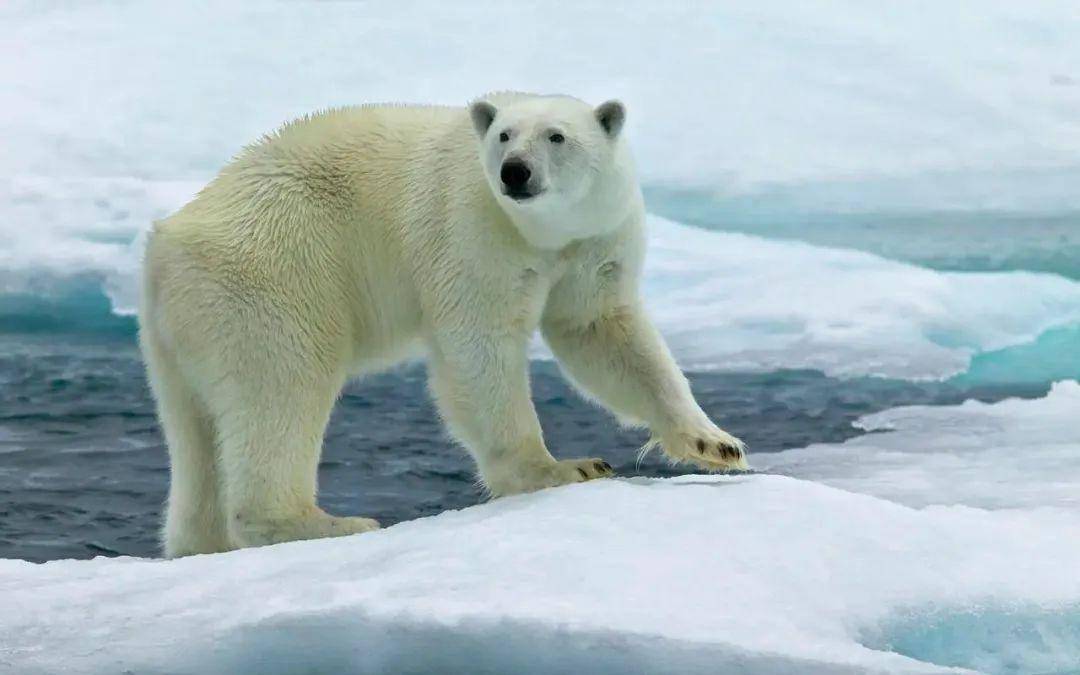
[(696, 574), (752, 574)]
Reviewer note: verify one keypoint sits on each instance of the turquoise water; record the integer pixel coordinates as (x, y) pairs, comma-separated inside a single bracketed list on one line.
[(1054, 356), (992, 640), (72, 306)]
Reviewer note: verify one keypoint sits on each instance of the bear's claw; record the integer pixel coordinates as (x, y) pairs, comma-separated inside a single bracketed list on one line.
[(582, 470), (710, 448)]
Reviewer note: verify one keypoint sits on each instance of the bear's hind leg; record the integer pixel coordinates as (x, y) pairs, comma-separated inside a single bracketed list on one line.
[(271, 440), (194, 520)]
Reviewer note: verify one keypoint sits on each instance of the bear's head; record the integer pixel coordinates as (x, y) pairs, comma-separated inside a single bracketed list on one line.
[(557, 166)]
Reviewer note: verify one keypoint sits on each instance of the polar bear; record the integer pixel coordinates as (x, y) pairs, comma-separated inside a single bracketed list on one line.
[(352, 239)]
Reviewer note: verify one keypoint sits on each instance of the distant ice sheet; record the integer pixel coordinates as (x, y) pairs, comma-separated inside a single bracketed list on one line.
[(731, 301), (725, 301), (1010, 454), (729, 96)]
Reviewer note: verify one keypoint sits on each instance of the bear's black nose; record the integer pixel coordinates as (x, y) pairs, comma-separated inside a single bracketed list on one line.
[(515, 174)]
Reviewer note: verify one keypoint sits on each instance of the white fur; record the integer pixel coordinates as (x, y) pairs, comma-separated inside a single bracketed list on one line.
[(352, 239)]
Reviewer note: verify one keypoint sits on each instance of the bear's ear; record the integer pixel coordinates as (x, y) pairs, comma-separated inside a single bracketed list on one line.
[(483, 114), (611, 115)]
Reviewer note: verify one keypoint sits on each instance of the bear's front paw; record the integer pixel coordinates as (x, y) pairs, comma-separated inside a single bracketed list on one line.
[(707, 446), (552, 474)]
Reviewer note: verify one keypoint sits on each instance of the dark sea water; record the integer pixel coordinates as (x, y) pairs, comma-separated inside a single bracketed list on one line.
[(83, 469)]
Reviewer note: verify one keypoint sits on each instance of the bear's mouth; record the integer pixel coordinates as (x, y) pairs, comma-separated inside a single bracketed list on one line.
[(522, 195)]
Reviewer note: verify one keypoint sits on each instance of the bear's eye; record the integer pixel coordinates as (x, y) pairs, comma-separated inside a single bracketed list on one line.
[(504, 137), (556, 138)]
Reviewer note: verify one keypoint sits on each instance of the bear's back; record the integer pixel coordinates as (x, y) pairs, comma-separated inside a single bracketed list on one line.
[(324, 166), (332, 200)]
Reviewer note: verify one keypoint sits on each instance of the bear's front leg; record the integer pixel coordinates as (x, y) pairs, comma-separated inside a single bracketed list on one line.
[(619, 358), (480, 383)]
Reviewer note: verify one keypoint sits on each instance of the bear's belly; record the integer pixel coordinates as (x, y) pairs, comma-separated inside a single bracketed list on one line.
[(369, 358), (386, 325)]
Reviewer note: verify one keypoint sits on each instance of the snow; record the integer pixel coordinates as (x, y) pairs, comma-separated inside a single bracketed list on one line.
[(58, 228), (1010, 454), (752, 573)]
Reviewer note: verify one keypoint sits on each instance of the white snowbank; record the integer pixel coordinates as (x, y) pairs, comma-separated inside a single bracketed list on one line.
[(57, 228), (1010, 454), (696, 574)]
